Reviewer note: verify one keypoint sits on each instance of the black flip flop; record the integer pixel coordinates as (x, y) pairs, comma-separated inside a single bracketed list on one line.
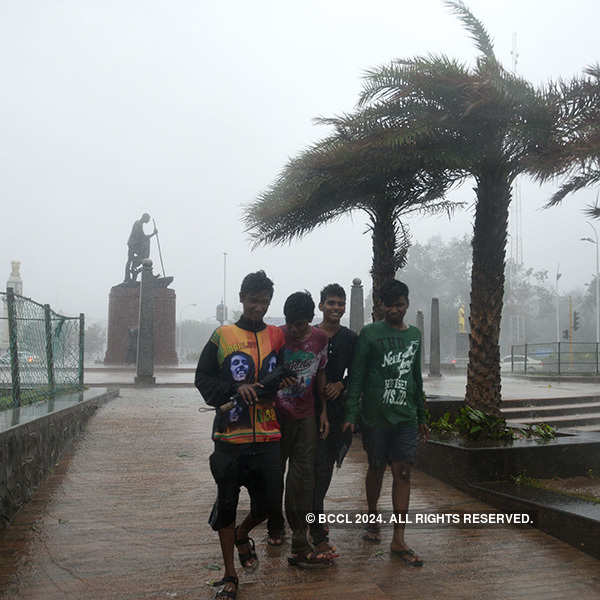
[(246, 556), (223, 593)]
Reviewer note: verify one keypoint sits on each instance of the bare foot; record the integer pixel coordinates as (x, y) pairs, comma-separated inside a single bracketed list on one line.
[(275, 539)]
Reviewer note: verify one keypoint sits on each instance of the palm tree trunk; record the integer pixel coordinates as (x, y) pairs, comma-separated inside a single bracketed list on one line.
[(384, 238), (487, 291)]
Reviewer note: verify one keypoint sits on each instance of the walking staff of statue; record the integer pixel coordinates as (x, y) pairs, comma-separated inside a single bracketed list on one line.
[(139, 248)]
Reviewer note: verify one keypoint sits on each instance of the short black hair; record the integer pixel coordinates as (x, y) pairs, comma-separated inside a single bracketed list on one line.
[(332, 289), (257, 282), (299, 307), (392, 290)]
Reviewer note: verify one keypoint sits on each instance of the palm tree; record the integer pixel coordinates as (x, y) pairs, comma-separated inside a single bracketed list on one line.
[(344, 173), (480, 120), (577, 152)]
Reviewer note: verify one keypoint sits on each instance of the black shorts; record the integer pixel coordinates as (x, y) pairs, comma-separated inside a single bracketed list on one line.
[(385, 445), (257, 467)]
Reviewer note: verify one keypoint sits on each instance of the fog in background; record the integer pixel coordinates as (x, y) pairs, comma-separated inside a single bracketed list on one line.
[(188, 110)]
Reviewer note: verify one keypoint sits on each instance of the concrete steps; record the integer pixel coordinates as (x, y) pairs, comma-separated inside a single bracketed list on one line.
[(590, 421), (581, 413), (532, 402)]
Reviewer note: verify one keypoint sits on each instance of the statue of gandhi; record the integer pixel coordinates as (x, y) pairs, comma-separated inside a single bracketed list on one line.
[(139, 248)]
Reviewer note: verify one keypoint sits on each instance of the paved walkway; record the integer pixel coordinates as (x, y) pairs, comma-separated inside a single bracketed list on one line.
[(124, 517), (448, 385)]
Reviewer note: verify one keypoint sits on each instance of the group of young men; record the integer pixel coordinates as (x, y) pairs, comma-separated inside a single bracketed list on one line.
[(292, 396)]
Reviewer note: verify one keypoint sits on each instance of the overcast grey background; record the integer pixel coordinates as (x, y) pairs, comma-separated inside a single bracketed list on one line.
[(188, 109)]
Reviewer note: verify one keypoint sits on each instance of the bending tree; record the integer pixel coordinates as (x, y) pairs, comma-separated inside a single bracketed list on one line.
[(343, 174), (577, 152), (484, 121)]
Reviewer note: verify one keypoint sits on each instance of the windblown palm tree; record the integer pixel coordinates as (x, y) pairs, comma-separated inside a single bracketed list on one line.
[(480, 120), (577, 152), (342, 174)]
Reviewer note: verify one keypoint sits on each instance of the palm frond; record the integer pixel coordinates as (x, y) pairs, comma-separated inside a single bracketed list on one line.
[(593, 71), (347, 171), (574, 184), (593, 211), (403, 246), (475, 27)]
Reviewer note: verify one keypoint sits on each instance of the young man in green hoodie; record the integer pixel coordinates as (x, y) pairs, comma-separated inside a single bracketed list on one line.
[(386, 372)]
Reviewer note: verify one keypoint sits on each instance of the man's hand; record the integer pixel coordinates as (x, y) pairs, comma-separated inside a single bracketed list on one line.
[(424, 431), (248, 392), (287, 382), (349, 426), (324, 425), (333, 390)]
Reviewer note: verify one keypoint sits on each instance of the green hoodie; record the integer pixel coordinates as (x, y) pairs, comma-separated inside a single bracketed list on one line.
[(386, 371)]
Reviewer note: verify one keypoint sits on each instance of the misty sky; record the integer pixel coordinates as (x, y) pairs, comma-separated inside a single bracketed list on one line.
[(188, 109)]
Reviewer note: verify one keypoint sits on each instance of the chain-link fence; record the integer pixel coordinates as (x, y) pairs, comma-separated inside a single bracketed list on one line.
[(556, 358), (44, 354)]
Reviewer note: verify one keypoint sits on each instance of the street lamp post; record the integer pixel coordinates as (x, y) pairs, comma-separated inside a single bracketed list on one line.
[(222, 308), (558, 276), (595, 241)]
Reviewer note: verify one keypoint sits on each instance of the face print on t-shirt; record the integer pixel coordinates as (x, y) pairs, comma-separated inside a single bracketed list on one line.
[(268, 364), (240, 365)]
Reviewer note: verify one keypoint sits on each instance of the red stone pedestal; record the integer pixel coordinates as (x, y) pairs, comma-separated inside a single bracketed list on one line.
[(123, 314)]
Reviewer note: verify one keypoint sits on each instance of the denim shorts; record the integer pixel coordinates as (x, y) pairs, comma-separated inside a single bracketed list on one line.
[(385, 445)]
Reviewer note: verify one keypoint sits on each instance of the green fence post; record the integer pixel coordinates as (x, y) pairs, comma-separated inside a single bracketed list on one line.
[(81, 346), (525, 362), (14, 350), (49, 352), (558, 357)]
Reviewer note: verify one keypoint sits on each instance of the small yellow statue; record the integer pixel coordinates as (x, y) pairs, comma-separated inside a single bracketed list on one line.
[(461, 319)]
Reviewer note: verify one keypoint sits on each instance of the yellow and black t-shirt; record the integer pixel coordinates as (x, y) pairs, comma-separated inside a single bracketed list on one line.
[(235, 354)]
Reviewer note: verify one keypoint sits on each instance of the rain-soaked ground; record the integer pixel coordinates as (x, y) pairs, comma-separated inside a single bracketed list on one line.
[(124, 515), (447, 385)]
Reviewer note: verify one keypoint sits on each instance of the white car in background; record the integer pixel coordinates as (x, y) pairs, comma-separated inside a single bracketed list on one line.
[(516, 364)]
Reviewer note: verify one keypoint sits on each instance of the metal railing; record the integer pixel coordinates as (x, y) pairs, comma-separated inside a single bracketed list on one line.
[(554, 358), (45, 351)]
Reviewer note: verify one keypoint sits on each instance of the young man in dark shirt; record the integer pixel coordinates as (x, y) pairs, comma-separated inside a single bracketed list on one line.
[(246, 436), (339, 361), (305, 353), (386, 372)]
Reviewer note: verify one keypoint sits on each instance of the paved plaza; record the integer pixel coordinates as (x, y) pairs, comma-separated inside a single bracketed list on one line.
[(124, 515), (447, 385)]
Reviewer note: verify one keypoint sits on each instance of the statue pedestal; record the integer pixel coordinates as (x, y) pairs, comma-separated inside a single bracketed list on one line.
[(123, 316)]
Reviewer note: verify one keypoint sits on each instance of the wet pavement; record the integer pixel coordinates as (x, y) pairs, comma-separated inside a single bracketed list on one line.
[(447, 385), (513, 388), (124, 515)]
